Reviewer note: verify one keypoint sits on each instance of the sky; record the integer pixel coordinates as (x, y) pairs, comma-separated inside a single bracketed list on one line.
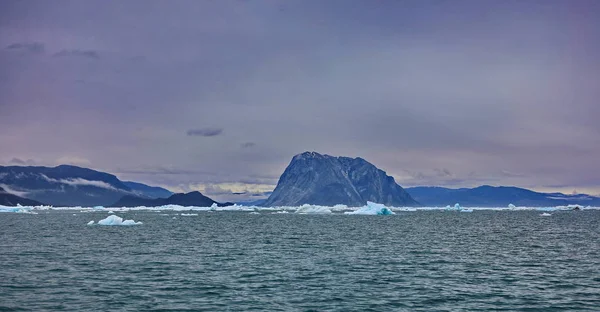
[(218, 96)]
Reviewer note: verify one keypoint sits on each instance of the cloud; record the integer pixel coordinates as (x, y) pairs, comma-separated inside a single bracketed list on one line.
[(21, 162), (162, 170), (248, 144), (7, 189), (205, 132), (80, 182), (27, 47), (79, 53), (73, 160)]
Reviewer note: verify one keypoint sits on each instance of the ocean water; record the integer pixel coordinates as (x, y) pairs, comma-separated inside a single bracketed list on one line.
[(236, 261)]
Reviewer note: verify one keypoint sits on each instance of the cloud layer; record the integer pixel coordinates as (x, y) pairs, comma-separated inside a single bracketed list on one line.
[(435, 93)]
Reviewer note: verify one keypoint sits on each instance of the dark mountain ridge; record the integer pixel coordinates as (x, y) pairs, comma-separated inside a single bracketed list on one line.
[(496, 196), (67, 185)]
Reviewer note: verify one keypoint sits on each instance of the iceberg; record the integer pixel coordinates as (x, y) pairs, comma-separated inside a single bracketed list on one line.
[(116, 220), (372, 209), (456, 207), (91, 223), (310, 209), (545, 214), (466, 210)]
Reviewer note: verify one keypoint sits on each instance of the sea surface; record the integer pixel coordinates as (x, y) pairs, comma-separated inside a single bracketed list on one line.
[(237, 261)]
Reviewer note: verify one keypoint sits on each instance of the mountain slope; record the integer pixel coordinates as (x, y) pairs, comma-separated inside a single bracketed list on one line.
[(8, 199), (500, 196), (312, 178), (143, 190), (67, 185), (188, 199)]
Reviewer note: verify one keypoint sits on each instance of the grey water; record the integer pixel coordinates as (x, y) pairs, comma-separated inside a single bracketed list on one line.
[(236, 261)]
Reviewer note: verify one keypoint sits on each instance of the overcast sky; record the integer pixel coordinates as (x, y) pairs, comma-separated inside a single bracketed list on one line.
[(218, 96)]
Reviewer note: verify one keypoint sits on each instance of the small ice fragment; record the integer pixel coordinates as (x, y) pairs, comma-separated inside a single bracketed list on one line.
[(545, 214), (91, 223), (110, 211)]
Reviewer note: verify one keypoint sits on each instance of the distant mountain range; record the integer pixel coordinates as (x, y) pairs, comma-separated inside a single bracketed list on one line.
[(313, 178), (310, 178), (496, 196), (66, 185), (181, 199), (8, 199)]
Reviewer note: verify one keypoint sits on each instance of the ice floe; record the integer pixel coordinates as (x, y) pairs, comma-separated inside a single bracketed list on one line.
[(313, 209), (372, 209), (115, 220)]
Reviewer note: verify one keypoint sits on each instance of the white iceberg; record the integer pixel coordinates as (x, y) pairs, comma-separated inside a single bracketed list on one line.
[(372, 209), (116, 220), (91, 223), (310, 209), (188, 214), (545, 214)]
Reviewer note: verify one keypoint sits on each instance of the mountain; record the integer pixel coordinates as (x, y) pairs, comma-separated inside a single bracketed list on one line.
[(496, 196), (8, 199), (67, 185), (143, 190), (312, 178), (182, 199)]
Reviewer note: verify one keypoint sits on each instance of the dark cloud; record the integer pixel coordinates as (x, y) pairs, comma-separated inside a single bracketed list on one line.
[(21, 162), (205, 132), (17, 161), (27, 47), (248, 144), (91, 54)]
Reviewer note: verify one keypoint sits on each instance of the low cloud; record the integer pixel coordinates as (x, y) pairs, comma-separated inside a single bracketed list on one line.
[(78, 53), (205, 132), (9, 190), (80, 182), (27, 47), (162, 170), (248, 144)]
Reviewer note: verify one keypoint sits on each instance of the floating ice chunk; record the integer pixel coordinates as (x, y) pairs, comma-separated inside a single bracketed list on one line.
[(310, 209), (116, 220), (455, 208), (110, 211), (511, 206), (545, 214), (372, 209), (546, 209), (466, 210), (98, 207), (254, 213), (91, 223), (189, 214)]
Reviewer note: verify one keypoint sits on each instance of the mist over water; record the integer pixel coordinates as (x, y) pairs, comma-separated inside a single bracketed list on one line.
[(411, 261)]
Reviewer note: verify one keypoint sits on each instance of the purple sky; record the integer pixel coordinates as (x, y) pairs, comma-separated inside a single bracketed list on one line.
[(218, 96)]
